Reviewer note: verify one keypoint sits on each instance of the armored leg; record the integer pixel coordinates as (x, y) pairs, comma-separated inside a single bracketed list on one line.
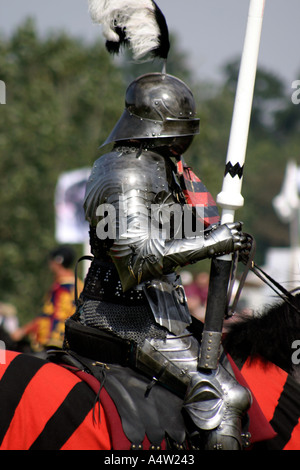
[(214, 401)]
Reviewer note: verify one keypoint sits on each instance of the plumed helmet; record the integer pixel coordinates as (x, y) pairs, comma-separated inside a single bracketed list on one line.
[(157, 106)]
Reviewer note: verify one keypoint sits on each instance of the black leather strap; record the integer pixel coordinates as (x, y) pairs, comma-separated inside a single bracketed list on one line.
[(97, 344)]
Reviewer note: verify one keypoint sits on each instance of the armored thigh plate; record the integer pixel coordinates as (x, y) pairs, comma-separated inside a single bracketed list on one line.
[(215, 402)]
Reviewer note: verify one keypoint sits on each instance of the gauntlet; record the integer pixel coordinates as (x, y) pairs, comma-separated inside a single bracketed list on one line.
[(223, 239)]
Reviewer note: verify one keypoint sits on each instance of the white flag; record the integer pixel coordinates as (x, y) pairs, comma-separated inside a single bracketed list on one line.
[(71, 226), (287, 202)]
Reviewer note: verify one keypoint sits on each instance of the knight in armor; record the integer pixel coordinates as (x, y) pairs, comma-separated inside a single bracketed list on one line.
[(132, 315)]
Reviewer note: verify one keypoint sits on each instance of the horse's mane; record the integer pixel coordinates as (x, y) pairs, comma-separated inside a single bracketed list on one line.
[(267, 335)]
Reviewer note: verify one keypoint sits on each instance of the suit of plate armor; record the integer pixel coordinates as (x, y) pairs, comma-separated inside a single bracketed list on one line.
[(133, 294)]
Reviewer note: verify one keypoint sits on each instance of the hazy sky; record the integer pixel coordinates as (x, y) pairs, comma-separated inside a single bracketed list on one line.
[(211, 32)]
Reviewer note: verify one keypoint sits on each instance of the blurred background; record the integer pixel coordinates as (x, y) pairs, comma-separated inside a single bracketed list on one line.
[(64, 93)]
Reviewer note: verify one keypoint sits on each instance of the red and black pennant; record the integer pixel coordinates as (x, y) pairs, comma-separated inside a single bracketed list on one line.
[(196, 193)]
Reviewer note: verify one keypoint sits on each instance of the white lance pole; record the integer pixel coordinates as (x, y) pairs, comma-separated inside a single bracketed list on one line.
[(230, 198)]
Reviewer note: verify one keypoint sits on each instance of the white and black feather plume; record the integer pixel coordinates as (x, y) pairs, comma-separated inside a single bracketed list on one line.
[(138, 24)]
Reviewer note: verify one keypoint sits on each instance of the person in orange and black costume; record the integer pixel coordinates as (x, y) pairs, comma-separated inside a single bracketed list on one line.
[(48, 328)]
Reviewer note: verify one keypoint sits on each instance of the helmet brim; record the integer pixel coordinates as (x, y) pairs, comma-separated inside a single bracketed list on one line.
[(131, 127)]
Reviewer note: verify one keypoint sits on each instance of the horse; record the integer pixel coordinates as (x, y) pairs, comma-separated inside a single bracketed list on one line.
[(46, 405), (266, 348)]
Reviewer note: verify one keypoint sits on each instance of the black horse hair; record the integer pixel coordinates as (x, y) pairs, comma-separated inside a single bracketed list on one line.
[(268, 335)]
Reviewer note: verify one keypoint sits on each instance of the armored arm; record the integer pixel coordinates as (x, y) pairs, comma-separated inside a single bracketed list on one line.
[(219, 240), (141, 258), (145, 251), (145, 243)]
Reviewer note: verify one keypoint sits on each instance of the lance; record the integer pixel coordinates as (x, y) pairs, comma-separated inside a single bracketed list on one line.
[(230, 198)]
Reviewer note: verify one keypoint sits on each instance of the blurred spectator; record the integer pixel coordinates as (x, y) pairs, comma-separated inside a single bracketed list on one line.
[(196, 292), (47, 329), (8, 317), (8, 324)]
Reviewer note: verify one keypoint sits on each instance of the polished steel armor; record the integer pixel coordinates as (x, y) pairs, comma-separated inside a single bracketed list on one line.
[(156, 106), (135, 207)]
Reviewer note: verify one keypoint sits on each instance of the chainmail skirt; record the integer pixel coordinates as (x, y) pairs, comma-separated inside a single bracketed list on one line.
[(135, 323)]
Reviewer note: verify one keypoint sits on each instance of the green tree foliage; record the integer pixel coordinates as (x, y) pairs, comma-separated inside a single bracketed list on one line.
[(62, 99)]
